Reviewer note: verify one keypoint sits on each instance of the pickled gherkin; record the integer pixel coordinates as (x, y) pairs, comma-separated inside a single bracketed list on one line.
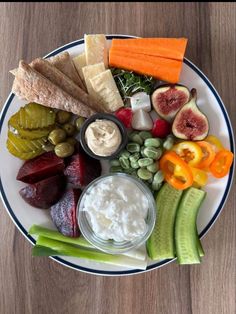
[(15, 128), (34, 116), (25, 148)]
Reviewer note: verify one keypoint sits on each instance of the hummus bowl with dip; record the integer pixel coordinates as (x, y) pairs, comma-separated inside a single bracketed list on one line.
[(103, 136)]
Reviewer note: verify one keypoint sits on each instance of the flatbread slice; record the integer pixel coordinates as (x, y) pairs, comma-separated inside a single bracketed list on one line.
[(61, 80), (64, 63), (36, 88)]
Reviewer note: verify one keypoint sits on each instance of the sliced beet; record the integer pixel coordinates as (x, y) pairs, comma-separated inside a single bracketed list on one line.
[(41, 167), (63, 213), (44, 193), (82, 169)]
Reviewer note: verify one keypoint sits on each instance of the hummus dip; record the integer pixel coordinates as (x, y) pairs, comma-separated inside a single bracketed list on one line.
[(103, 137)]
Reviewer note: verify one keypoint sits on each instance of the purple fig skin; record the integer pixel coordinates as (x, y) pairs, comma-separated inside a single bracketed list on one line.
[(44, 193), (40, 168), (63, 213)]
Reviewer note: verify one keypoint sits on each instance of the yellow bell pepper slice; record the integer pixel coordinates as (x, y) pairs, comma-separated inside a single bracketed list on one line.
[(200, 177), (212, 139), (189, 151)]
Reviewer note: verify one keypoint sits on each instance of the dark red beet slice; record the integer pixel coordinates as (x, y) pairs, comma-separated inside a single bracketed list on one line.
[(45, 193), (82, 169), (64, 215), (41, 167)]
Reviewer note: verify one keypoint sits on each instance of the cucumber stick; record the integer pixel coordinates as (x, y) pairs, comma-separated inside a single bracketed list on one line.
[(161, 244), (49, 247), (188, 248)]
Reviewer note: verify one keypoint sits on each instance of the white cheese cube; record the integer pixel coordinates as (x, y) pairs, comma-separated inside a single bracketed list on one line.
[(140, 101), (142, 121)]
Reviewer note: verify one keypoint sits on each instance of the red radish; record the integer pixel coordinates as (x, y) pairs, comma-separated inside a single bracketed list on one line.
[(161, 128), (125, 116)]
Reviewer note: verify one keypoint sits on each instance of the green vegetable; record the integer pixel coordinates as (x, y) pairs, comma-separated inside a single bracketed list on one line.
[(158, 177), (168, 143), (134, 164), (144, 162), (129, 83), (71, 140), (60, 248), (134, 157), (156, 186), (145, 135), (161, 244), (133, 147), (152, 152), (144, 174), (55, 235), (152, 142), (152, 168), (186, 237), (124, 162), (116, 169), (115, 162), (136, 138), (125, 154)]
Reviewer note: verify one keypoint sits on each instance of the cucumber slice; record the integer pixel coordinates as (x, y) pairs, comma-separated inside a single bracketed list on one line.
[(161, 244), (186, 238)]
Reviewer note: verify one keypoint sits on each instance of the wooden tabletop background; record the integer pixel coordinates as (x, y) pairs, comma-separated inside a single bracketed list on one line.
[(40, 285)]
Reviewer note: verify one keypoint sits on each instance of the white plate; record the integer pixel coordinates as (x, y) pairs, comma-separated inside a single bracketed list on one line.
[(24, 215)]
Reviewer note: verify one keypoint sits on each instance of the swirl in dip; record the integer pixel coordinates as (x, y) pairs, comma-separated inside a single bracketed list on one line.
[(103, 137)]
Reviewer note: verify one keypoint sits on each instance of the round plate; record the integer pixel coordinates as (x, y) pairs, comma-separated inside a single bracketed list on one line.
[(24, 215)]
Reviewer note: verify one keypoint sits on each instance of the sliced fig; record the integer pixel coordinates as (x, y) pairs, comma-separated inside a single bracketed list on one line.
[(167, 100), (45, 193), (41, 167), (190, 123), (64, 215)]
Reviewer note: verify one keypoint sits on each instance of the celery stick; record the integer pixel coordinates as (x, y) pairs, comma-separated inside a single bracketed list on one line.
[(70, 250), (139, 253), (55, 235)]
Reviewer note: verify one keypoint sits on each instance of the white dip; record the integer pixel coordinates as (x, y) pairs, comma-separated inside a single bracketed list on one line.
[(116, 209)]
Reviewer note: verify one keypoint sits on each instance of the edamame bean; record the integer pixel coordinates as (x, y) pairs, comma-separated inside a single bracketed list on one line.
[(124, 162), (133, 147), (144, 174), (115, 162), (168, 143), (158, 177), (142, 151), (156, 186), (125, 154), (151, 152), (152, 142), (136, 138), (152, 168), (134, 164), (134, 157), (145, 134), (144, 162), (116, 169), (132, 134)]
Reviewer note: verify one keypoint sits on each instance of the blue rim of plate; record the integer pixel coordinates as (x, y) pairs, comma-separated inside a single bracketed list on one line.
[(158, 264)]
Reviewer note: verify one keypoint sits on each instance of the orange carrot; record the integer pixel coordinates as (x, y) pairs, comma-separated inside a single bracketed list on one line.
[(171, 48), (160, 68)]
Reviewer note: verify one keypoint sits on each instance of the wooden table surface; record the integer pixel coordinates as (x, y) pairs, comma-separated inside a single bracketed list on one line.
[(40, 285)]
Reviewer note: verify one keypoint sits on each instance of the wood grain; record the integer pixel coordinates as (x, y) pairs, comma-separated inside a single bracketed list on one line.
[(39, 285)]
